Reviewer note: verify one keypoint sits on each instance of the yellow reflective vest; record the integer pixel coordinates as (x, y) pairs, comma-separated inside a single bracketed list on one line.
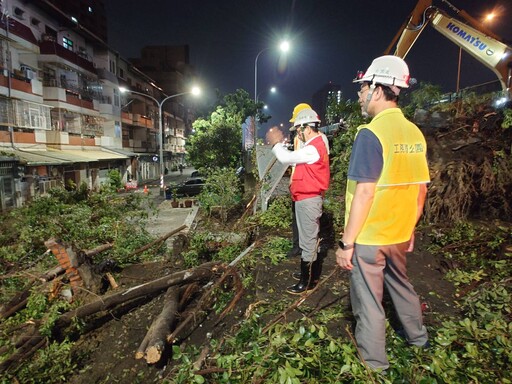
[(392, 217)]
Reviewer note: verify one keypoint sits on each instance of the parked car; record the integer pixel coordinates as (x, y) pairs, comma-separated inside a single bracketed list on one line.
[(195, 174), (191, 187)]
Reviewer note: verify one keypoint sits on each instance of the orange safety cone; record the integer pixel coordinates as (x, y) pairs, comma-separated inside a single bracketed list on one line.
[(146, 189)]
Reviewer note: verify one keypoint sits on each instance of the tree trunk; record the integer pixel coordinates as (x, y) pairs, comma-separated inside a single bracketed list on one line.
[(52, 274), (157, 241), (25, 350), (201, 272), (162, 326), (16, 303), (99, 249)]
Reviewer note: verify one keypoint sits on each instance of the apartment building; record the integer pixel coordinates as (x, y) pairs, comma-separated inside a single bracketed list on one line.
[(63, 120)]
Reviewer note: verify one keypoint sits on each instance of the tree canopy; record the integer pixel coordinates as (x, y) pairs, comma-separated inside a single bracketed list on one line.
[(217, 139)]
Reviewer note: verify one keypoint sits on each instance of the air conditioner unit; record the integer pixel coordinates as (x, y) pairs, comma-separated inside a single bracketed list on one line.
[(30, 74)]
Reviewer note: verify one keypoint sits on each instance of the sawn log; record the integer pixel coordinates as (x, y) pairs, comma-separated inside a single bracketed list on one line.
[(204, 271)]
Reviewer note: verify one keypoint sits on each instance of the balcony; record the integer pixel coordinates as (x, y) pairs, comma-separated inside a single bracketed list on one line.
[(52, 48), (18, 82), (79, 102), (24, 33), (142, 121)]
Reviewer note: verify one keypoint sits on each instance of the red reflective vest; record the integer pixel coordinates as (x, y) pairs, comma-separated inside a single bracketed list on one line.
[(310, 180)]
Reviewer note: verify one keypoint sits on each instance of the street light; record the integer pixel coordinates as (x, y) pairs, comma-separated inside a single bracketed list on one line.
[(194, 91), (284, 47), (271, 90)]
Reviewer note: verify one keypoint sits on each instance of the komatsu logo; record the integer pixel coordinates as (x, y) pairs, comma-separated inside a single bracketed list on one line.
[(474, 41)]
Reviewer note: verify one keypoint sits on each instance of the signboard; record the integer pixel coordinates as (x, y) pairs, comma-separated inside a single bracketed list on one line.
[(270, 172), (131, 185), (248, 133)]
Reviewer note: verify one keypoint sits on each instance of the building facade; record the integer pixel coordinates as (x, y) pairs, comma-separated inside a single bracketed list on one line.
[(63, 120), (320, 99)]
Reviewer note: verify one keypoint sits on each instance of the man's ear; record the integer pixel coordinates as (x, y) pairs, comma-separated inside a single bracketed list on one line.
[(377, 93)]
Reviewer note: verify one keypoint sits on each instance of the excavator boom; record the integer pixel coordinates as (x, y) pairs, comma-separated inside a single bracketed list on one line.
[(474, 38)]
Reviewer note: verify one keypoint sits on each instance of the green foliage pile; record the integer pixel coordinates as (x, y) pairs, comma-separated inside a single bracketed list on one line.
[(507, 119), (78, 218), (82, 219), (471, 346), (277, 215)]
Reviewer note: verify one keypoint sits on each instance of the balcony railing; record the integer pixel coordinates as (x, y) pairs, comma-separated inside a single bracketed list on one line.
[(52, 48)]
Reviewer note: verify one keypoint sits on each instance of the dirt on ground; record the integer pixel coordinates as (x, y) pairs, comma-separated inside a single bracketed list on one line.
[(108, 352)]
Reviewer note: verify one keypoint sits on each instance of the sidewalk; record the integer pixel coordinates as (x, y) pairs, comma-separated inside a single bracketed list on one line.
[(168, 218), (174, 177)]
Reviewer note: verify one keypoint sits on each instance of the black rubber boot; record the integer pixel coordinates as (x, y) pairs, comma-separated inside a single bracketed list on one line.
[(316, 269), (304, 283)]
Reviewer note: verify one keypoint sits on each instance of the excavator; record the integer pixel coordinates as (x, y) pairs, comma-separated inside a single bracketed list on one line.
[(469, 35)]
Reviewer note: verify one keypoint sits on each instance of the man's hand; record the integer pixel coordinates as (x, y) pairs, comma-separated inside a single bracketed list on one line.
[(411, 244), (274, 136), (344, 258)]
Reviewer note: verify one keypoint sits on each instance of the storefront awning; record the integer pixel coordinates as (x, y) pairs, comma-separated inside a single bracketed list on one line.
[(35, 157), (58, 157), (121, 151), (94, 155)]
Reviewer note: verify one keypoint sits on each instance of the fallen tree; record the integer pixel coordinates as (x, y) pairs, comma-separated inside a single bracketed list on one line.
[(202, 272), (30, 341)]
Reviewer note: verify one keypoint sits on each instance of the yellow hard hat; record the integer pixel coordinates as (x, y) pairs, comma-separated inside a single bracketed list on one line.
[(297, 109)]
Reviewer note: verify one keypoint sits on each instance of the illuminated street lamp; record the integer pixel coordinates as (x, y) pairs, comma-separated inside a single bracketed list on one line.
[(271, 90), (284, 47), (195, 91)]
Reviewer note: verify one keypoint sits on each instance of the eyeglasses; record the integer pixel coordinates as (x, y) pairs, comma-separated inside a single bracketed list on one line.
[(362, 90), (302, 127)]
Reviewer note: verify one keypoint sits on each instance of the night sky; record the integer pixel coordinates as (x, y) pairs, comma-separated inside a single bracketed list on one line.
[(331, 41)]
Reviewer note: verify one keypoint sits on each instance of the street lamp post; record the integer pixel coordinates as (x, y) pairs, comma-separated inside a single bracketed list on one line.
[(284, 47), (194, 91), (256, 74), (457, 89)]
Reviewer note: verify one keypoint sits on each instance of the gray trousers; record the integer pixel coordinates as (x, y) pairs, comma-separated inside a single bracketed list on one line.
[(374, 267), (307, 215)]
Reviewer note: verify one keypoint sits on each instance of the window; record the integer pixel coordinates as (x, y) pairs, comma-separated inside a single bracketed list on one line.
[(117, 129), (116, 98), (35, 22), (66, 43), (31, 115)]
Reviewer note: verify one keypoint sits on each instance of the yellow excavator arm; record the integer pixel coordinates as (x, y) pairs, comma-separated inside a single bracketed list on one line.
[(474, 38)]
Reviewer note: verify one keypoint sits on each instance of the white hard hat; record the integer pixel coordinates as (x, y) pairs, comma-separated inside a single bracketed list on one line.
[(306, 116), (386, 70)]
